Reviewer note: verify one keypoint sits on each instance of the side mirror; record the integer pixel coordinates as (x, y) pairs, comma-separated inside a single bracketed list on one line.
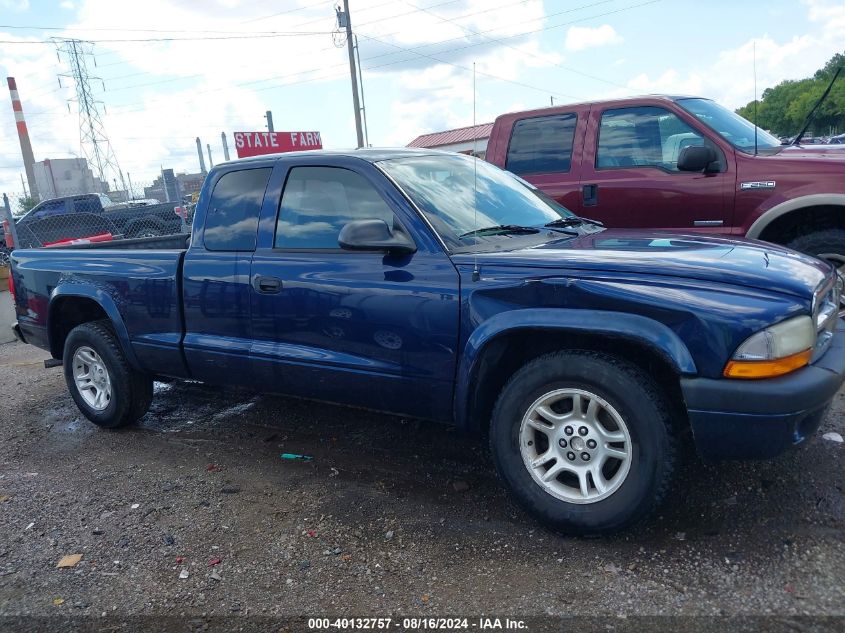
[(374, 235), (696, 158)]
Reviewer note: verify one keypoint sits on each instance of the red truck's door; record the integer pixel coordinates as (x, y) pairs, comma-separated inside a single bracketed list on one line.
[(546, 151), (630, 176)]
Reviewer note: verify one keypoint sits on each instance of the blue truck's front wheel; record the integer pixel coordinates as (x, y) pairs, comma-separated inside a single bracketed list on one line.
[(107, 390), (583, 440)]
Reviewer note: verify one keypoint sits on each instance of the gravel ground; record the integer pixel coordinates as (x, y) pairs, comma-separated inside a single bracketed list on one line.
[(194, 513)]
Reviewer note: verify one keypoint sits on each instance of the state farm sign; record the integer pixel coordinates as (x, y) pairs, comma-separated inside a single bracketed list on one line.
[(257, 143)]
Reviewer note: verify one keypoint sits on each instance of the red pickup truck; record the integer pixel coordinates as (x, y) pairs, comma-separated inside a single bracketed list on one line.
[(680, 163)]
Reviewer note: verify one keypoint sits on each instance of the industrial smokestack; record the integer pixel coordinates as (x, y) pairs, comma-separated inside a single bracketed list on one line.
[(23, 136), (225, 146), (210, 162), (199, 153)]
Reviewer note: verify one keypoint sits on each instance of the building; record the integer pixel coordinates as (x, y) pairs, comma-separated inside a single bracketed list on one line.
[(66, 177), (190, 183), (186, 186), (463, 140)]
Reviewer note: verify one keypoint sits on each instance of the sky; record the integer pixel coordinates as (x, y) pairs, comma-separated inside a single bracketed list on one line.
[(171, 70)]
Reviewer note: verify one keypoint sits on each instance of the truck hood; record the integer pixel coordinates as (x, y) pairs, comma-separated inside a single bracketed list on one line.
[(721, 260)]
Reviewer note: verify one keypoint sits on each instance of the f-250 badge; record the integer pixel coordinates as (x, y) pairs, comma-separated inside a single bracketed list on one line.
[(758, 184)]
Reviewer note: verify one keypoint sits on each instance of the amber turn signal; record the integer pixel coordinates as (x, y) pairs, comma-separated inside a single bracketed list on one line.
[(751, 369)]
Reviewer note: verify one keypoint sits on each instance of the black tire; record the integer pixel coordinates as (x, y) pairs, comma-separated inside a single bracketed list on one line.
[(826, 244), (644, 411), (131, 390)]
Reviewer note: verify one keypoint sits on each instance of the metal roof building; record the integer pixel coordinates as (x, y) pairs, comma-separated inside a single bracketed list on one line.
[(462, 139)]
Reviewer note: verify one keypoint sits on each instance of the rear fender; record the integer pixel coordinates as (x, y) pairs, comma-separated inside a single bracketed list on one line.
[(105, 301)]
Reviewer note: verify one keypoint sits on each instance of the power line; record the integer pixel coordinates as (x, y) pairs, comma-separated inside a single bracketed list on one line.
[(413, 50), (249, 36), (514, 48), (384, 19), (273, 15)]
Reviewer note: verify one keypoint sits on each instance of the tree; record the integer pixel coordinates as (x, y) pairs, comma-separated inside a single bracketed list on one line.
[(25, 204), (783, 109)]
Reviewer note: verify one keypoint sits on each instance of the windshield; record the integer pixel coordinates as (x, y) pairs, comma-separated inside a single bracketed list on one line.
[(729, 125), (458, 201)]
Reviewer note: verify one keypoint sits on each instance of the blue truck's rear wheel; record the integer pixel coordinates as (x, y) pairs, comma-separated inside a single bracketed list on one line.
[(583, 441), (107, 390)]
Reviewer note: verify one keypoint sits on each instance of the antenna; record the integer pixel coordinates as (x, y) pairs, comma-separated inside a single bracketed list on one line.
[(476, 275), (755, 97)]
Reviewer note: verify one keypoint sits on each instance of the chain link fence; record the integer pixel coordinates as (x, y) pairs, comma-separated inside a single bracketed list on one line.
[(83, 216)]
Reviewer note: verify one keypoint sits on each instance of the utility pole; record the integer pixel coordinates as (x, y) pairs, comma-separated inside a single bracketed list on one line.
[(269, 117), (345, 20), (363, 100)]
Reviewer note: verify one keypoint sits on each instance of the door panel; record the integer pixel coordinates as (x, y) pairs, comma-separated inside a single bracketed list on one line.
[(217, 326), (216, 281), (361, 328), (631, 170)]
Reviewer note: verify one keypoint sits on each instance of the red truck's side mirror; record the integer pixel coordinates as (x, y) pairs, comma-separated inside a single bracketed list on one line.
[(696, 158)]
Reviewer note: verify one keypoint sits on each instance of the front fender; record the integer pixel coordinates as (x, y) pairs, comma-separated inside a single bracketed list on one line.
[(101, 298), (631, 327)]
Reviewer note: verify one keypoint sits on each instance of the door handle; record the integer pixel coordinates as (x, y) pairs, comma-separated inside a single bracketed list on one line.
[(590, 195), (267, 285)]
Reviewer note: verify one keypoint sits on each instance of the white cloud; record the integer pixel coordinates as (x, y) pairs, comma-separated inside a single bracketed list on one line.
[(15, 5), (67, 4), (579, 38), (730, 78)]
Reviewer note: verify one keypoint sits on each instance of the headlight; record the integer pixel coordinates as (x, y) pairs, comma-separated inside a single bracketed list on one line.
[(775, 351)]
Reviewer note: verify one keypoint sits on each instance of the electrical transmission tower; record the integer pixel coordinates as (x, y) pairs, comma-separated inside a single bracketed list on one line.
[(92, 134)]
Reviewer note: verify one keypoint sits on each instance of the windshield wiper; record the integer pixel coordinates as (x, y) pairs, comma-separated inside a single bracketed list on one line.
[(797, 139), (514, 229), (573, 220)]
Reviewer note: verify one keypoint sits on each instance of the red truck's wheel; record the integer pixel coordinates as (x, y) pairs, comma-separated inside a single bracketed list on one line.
[(583, 441), (102, 383), (827, 244)]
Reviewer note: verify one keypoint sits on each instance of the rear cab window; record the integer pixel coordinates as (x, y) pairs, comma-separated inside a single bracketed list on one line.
[(542, 145), (231, 222)]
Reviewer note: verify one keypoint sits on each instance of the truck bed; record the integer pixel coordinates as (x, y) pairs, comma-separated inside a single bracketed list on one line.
[(138, 283)]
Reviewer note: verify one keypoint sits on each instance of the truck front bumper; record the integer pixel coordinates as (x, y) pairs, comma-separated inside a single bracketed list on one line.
[(759, 419)]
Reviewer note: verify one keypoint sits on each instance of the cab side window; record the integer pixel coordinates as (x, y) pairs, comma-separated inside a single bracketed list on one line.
[(319, 201), (646, 136), (542, 145), (231, 221)]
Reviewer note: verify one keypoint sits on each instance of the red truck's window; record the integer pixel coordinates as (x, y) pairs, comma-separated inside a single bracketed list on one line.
[(232, 218), (541, 145), (646, 136)]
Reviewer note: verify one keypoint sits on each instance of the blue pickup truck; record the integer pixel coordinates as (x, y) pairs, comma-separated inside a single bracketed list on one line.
[(437, 286)]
